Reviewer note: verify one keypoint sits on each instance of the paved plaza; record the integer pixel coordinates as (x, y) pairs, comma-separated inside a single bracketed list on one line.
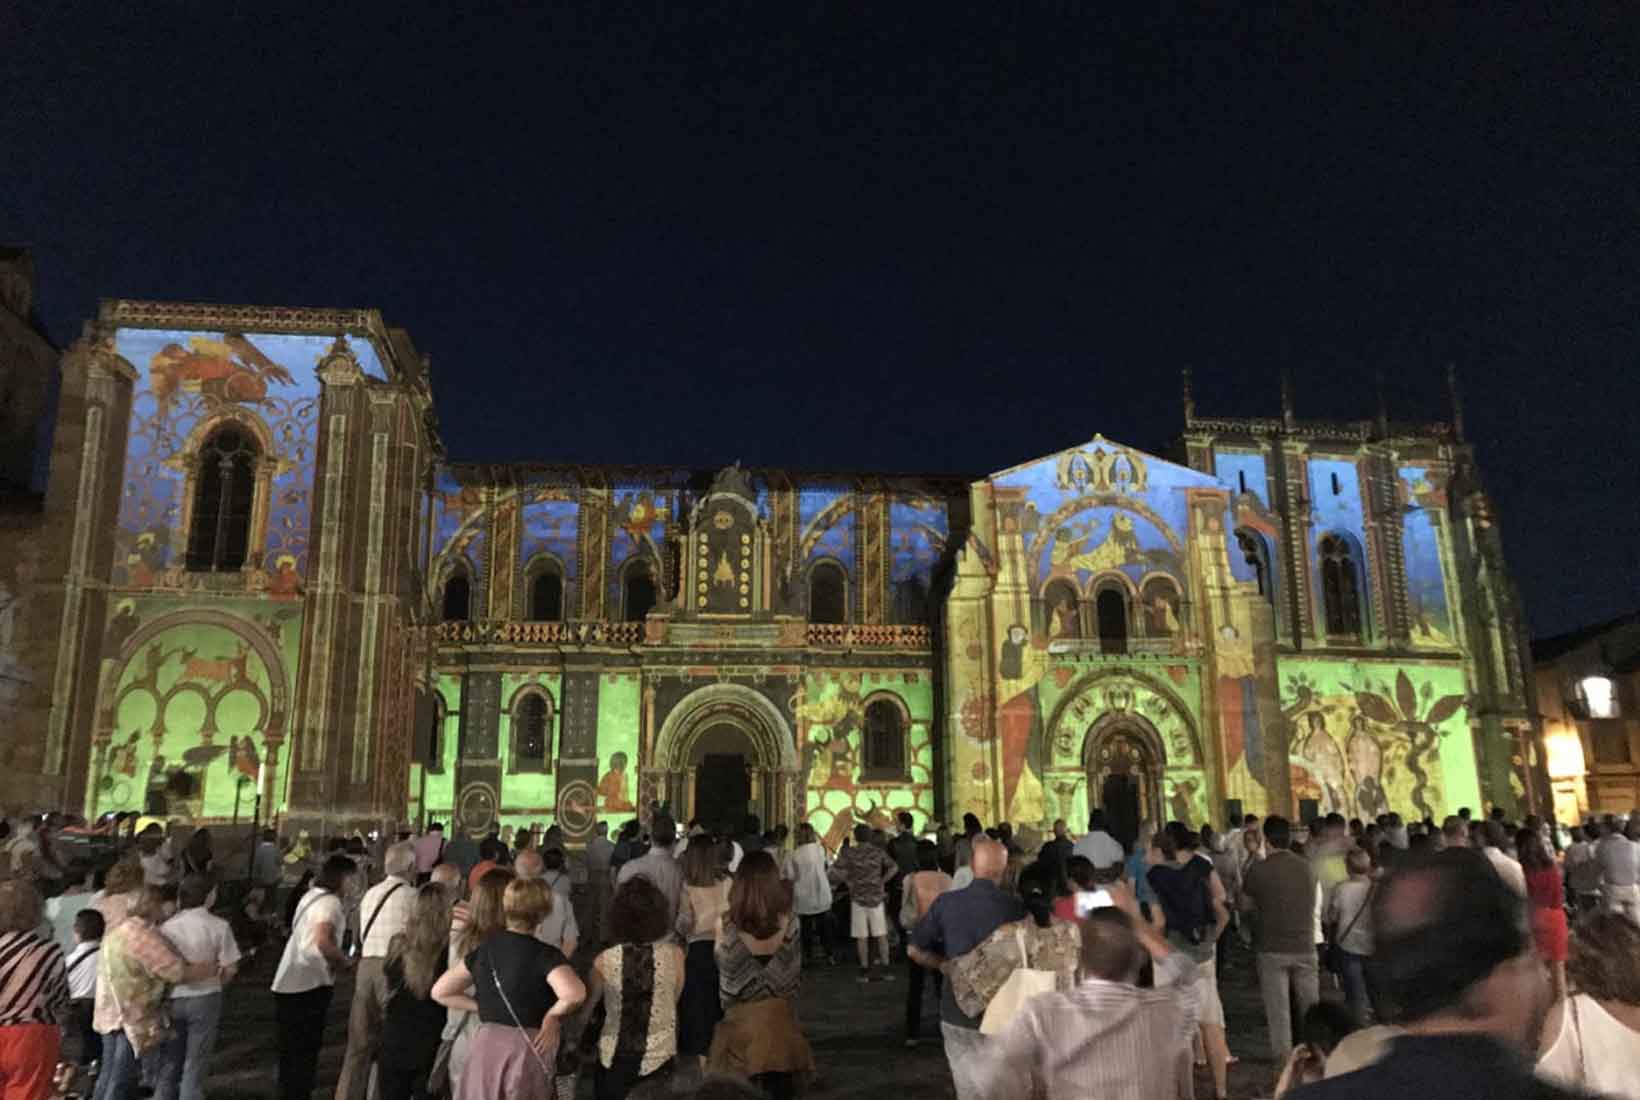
[(856, 1031)]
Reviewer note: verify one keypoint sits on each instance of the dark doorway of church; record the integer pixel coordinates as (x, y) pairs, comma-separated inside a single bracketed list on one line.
[(722, 790), (1120, 798)]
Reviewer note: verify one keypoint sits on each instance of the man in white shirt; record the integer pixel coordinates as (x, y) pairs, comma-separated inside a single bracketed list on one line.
[(196, 1007), (81, 966), (1098, 846), (385, 910), (558, 927)]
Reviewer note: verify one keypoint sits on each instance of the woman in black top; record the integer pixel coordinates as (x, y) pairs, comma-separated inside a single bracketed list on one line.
[(522, 990), (412, 1022)]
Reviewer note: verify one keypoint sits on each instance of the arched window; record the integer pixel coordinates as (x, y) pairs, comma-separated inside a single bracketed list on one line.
[(1340, 588), (828, 594), (1064, 610), (546, 593), (1256, 552), (1110, 608), (458, 596), (637, 592), (531, 733), (429, 746), (882, 745), (219, 533)]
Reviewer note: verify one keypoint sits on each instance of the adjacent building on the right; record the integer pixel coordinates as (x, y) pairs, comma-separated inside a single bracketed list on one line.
[(1588, 701)]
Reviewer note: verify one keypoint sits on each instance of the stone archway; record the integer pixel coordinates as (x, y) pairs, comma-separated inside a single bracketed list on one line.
[(711, 718), (1124, 759)]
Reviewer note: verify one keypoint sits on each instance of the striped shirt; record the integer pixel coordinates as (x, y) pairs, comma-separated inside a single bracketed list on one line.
[(745, 975), (1105, 1039), (33, 982)]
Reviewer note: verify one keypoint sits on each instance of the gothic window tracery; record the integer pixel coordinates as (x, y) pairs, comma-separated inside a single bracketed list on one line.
[(531, 733), (224, 495), (1340, 587)]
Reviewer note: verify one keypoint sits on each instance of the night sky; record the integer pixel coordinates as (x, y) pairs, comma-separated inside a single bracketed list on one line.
[(892, 236)]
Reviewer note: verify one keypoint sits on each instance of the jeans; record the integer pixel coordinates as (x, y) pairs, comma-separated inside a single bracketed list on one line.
[(182, 1059), (914, 997), (364, 1029), (1357, 993), (117, 1079), (1281, 976), (965, 1052), (301, 1018)]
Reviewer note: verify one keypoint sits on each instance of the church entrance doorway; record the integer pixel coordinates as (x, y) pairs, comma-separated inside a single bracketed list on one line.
[(723, 784), (1123, 757), (725, 752)]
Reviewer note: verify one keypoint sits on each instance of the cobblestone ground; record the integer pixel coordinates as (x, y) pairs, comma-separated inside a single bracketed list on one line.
[(857, 1032)]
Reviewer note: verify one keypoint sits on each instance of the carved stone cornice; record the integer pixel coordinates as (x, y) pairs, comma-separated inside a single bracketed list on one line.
[(340, 367)]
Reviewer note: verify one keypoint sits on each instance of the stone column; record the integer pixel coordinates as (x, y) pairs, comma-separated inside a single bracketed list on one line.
[(51, 753), (322, 758)]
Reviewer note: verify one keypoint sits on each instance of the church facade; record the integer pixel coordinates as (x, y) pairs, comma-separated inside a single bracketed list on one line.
[(263, 579)]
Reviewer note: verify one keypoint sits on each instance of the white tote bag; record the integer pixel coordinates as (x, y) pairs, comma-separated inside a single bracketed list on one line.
[(1021, 986)]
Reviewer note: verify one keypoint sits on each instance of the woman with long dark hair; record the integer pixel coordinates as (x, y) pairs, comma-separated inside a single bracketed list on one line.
[(760, 970), (706, 887), (412, 1021), (1546, 890)]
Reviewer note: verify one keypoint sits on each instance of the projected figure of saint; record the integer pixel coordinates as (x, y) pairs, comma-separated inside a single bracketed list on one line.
[(612, 787), (1326, 763), (1019, 722)]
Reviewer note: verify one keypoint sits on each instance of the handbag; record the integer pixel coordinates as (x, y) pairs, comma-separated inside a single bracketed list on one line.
[(1023, 984)]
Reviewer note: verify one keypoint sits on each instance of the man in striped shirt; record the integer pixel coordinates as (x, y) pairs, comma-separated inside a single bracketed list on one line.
[(1107, 1037)]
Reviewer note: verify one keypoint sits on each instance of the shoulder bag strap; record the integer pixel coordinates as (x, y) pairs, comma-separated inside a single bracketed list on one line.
[(495, 979), (75, 965), (380, 905), (296, 921), (1366, 901)]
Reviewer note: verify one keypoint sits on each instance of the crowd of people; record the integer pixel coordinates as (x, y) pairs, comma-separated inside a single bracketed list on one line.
[(1472, 957)]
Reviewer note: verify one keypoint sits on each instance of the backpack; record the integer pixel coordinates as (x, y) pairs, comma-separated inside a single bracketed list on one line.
[(1188, 904)]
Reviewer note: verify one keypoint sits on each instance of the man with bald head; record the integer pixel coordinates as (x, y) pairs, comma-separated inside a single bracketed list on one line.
[(385, 909), (958, 922), (1455, 962)]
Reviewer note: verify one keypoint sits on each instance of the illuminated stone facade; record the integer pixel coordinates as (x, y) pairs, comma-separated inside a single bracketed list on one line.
[(266, 576)]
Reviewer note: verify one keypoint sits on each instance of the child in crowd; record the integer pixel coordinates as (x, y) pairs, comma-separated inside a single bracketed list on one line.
[(81, 965)]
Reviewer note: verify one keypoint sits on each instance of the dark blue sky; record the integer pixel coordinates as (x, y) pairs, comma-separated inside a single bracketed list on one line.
[(909, 237)]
